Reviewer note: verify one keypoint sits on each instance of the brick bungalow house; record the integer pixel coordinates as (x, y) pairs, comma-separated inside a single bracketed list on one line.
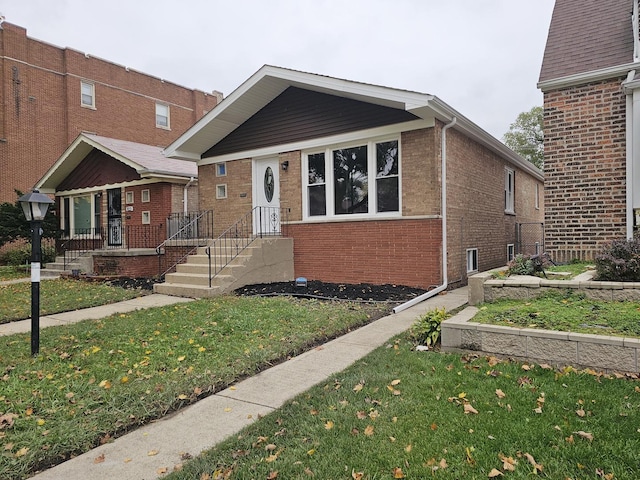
[(117, 201), (53, 94), (590, 78), (357, 168)]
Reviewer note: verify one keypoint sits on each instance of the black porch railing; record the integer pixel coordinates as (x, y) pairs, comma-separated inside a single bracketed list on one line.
[(185, 233), (258, 223), (75, 243)]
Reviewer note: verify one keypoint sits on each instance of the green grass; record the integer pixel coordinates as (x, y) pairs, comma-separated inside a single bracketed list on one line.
[(58, 296), (12, 272), (402, 409), (565, 310), (97, 379), (574, 268)]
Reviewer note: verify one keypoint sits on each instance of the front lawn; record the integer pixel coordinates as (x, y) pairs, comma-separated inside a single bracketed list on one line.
[(57, 296), (8, 272), (399, 413), (98, 379), (565, 310)]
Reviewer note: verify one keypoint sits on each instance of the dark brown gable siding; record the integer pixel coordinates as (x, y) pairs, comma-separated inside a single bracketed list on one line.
[(96, 169), (298, 114)]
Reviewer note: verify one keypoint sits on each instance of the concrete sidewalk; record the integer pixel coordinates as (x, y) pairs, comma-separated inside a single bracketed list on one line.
[(209, 421), (146, 301)]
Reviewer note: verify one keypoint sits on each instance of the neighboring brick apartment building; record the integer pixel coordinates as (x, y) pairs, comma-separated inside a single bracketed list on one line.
[(357, 169), (49, 95), (590, 78)]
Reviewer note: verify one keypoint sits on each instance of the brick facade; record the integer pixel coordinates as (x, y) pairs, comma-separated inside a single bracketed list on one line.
[(585, 173), (41, 114)]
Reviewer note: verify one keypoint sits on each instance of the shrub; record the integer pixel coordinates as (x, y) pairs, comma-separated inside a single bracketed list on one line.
[(21, 255), (619, 261), (521, 265), (426, 331)]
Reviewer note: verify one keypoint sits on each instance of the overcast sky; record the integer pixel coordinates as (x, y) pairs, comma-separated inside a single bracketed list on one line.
[(482, 57)]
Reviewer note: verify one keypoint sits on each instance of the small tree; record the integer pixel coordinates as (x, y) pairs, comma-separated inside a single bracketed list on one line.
[(525, 136)]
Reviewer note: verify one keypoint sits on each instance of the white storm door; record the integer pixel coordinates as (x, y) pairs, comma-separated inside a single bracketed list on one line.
[(266, 197)]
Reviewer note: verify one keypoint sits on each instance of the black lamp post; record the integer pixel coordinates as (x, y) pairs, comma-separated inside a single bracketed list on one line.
[(35, 205)]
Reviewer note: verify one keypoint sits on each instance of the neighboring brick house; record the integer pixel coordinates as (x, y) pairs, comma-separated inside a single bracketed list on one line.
[(49, 95), (118, 199), (357, 168), (590, 78)]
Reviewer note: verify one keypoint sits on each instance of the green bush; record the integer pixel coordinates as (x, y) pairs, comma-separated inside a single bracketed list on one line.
[(619, 261), (21, 255), (521, 265), (426, 331)]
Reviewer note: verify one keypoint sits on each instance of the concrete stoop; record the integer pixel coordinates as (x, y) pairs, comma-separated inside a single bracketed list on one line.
[(264, 261), (57, 268)]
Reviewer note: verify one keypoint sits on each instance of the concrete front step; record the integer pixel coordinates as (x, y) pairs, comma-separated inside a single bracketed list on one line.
[(215, 259), (191, 291), (202, 268), (201, 280)]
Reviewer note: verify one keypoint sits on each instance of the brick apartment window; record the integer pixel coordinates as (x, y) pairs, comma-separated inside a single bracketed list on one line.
[(221, 169), (221, 191), (129, 197), (509, 190), (472, 260), (510, 252), (146, 217), (145, 196), (87, 94), (162, 115), (356, 179)]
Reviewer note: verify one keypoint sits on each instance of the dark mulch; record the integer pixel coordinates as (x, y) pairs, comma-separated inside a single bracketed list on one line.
[(314, 289), (342, 291)]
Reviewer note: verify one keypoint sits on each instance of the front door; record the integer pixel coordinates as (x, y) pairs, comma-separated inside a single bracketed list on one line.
[(266, 195), (114, 217)]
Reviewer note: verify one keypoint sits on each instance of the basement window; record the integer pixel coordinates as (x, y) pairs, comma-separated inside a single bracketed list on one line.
[(472, 260)]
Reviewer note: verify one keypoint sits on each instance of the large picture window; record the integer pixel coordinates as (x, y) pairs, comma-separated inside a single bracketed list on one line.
[(360, 179), (81, 215)]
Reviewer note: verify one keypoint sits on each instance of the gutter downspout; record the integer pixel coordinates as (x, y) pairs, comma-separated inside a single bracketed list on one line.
[(443, 207), (185, 196)]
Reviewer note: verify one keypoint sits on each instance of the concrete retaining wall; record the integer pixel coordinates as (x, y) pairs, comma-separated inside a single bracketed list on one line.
[(558, 348)]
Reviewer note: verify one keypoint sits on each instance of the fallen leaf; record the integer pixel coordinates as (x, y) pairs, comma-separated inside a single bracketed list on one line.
[(369, 430), (273, 475), (580, 413), (443, 464), (508, 463), (585, 435), (357, 475), (361, 415), (162, 470), (570, 439), (328, 425), (99, 459), (526, 367), (538, 410), (434, 426), (395, 382), (500, 393), (495, 473), (152, 453), (408, 448), (22, 452), (536, 466), (397, 473), (468, 408), (358, 387)]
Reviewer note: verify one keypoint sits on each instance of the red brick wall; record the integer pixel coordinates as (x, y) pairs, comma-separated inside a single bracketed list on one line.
[(403, 252), (40, 111), (585, 173), (126, 266), (476, 215)]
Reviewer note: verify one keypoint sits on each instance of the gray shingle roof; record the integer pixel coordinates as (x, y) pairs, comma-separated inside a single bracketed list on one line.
[(587, 35)]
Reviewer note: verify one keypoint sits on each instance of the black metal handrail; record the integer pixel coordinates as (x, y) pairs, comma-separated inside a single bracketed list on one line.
[(258, 223), (186, 232), (76, 243)]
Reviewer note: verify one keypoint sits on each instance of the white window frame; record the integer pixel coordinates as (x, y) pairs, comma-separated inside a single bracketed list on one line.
[(472, 260), (91, 94), (221, 169), (145, 196), (94, 198), (511, 252), (129, 197), (509, 190), (163, 112), (372, 179), (221, 191), (146, 217), (537, 200)]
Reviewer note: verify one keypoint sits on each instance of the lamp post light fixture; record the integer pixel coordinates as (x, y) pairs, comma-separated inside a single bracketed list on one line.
[(35, 205)]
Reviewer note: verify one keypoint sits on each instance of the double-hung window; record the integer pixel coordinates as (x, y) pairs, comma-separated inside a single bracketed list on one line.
[(162, 115), (509, 190), (354, 179), (87, 94)]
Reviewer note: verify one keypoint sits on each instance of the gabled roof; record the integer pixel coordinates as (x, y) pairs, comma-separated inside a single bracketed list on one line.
[(269, 82), (588, 36), (147, 160)]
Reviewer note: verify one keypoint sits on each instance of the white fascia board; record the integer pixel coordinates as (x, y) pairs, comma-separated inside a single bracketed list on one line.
[(586, 77), (443, 110), (320, 142), (42, 183)]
